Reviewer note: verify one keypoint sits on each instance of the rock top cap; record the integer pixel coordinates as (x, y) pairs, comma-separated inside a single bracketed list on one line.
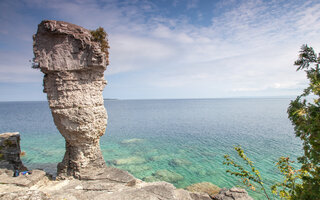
[(7, 135), (62, 46)]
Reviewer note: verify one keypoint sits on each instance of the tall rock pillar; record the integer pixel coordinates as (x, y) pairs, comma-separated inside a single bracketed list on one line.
[(73, 66)]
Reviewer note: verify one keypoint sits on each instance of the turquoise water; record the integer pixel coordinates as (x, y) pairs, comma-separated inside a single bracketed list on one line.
[(185, 139)]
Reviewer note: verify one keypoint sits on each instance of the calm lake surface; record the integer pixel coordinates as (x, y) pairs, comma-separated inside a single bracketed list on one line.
[(186, 137)]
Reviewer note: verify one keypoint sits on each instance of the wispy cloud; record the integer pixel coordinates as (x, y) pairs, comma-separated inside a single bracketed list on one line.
[(192, 4), (248, 46)]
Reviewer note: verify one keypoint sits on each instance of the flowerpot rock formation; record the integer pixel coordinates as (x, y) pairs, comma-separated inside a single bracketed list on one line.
[(73, 66)]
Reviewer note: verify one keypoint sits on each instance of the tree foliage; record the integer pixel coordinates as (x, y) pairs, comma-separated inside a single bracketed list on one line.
[(99, 35), (304, 113), (292, 179)]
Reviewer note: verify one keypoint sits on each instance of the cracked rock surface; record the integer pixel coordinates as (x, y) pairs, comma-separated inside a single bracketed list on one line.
[(41, 187), (73, 66)]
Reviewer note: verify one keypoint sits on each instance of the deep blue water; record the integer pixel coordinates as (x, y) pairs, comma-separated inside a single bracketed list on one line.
[(187, 137)]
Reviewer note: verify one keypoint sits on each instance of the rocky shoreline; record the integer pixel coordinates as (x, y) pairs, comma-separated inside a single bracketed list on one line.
[(108, 183)]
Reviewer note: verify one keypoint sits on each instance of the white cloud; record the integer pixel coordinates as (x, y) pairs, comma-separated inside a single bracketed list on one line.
[(250, 46)]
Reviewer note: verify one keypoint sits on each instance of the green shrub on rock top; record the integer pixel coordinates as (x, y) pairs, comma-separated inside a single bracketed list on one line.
[(99, 35)]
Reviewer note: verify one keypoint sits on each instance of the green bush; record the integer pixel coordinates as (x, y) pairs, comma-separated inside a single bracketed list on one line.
[(304, 113), (99, 35)]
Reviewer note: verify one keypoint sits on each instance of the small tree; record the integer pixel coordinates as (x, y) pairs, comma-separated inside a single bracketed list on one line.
[(304, 113), (99, 35), (305, 117)]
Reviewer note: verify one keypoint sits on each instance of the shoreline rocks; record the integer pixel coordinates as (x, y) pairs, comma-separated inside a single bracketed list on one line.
[(204, 187), (233, 193), (111, 184), (10, 152), (103, 183)]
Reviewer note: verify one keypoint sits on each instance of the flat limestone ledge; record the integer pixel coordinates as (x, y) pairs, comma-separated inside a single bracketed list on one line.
[(6, 177), (114, 184), (105, 184)]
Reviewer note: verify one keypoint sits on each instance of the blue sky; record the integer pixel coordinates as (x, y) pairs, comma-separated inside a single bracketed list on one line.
[(171, 49)]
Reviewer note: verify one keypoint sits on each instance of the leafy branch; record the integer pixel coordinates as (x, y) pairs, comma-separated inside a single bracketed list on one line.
[(246, 175)]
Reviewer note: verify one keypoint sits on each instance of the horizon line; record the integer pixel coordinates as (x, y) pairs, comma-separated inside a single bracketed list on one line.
[(202, 98)]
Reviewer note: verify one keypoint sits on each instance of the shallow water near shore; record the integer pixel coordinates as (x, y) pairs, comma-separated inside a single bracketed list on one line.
[(180, 141)]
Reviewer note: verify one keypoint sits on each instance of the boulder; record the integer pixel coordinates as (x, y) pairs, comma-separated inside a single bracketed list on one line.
[(233, 194), (204, 187), (10, 151), (199, 196), (185, 195)]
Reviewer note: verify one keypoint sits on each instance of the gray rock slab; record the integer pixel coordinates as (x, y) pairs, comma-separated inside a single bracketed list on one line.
[(182, 194), (163, 190), (101, 185), (233, 194), (22, 180), (108, 173), (132, 194), (25, 195), (199, 196)]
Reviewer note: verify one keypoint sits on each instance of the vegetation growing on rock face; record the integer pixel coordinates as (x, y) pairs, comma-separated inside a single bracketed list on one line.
[(99, 35), (304, 113)]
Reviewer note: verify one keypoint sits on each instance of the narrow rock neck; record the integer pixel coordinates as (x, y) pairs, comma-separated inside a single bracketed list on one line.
[(79, 157)]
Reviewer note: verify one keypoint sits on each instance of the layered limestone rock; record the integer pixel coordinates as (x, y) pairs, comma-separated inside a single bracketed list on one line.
[(73, 66), (10, 152)]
